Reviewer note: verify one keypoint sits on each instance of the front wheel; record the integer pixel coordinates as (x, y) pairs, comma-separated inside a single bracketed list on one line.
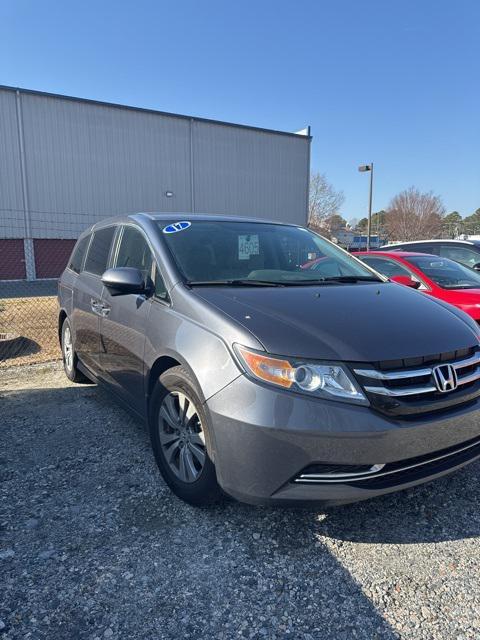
[(179, 432)]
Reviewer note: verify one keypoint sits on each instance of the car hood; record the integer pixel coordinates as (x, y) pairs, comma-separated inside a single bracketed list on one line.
[(363, 322)]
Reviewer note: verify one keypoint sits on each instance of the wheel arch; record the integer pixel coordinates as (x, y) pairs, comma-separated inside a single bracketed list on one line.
[(164, 363)]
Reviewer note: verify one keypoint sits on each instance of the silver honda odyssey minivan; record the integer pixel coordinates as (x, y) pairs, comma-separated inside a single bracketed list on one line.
[(268, 363)]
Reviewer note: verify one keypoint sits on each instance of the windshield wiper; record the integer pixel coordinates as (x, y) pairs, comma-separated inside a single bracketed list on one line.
[(306, 282), (330, 280), (234, 283)]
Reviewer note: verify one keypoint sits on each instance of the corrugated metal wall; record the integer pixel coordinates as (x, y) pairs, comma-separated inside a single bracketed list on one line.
[(250, 172), (85, 162), (11, 198), (66, 163)]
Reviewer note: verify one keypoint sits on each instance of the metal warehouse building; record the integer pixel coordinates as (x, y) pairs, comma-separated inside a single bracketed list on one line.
[(68, 162)]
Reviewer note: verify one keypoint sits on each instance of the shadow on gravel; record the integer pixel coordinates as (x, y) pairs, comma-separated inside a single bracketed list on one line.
[(441, 511), (129, 550), (16, 346), (446, 509)]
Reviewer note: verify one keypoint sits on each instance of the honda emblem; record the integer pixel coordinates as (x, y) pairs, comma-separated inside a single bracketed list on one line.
[(445, 378)]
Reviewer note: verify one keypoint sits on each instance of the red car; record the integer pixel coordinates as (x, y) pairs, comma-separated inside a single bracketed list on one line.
[(439, 277)]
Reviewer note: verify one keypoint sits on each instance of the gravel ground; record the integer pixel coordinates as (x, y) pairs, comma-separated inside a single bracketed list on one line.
[(95, 546)]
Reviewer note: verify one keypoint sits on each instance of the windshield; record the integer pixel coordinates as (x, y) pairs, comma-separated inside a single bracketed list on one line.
[(223, 252), (447, 273)]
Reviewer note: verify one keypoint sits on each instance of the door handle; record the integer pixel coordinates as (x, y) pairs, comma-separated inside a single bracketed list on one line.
[(99, 308), (95, 305)]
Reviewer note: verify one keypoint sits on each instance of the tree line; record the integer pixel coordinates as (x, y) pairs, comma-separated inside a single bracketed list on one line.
[(410, 215)]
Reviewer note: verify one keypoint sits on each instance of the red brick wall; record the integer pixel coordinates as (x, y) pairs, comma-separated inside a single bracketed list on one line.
[(12, 260), (51, 257)]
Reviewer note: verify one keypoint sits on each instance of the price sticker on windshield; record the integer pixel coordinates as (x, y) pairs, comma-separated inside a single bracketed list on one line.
[(248, 246)]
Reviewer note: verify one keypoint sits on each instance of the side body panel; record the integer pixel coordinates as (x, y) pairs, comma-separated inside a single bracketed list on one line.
[(85, 322), (189, 331), (122, 341), (66, 286), (173, 334)]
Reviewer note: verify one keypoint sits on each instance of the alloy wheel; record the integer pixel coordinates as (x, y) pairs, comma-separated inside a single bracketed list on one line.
[(181, 436), (68, 348)]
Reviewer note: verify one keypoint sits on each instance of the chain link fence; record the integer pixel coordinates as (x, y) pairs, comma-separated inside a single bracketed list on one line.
[(29, 270)]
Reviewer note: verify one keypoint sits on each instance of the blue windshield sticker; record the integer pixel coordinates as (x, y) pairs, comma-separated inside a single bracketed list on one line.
[(177, 226)]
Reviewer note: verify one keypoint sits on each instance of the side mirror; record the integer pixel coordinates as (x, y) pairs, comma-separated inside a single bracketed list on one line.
[(476, 266), (407, 281), (123, 280)]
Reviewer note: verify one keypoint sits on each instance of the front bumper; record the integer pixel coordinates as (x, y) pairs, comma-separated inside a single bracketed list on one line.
[(264, 438)]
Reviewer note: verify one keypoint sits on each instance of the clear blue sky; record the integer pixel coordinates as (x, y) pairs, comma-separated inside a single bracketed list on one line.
[(393, 81)]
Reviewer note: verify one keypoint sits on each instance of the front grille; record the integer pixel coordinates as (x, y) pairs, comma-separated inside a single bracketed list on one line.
[(409, 387), (393, 474)]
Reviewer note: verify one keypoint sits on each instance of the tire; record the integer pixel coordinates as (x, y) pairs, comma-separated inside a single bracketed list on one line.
[(69, 356), (180, 437)]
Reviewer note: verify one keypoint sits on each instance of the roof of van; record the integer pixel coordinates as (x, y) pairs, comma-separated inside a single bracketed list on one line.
[(178, 217), (393, 254), (211, 217), (475, 243)]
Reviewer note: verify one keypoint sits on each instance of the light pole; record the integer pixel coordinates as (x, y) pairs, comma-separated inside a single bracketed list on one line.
[(369, 167)]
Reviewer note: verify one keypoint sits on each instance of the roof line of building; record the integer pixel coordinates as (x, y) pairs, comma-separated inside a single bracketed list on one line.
[(116, 105)]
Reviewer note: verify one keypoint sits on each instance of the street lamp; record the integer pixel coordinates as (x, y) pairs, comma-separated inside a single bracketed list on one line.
[(362, 168)]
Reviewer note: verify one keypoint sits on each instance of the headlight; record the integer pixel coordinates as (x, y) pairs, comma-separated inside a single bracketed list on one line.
[(330, 380)]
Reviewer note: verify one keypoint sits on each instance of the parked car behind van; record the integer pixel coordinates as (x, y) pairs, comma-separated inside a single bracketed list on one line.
[(466, 252), (263, 380), (441, 278)]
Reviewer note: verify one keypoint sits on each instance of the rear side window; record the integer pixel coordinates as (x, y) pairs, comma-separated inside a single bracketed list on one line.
[(466, 256), (99, 251), (413, 246), (422, 248), (78, 254)]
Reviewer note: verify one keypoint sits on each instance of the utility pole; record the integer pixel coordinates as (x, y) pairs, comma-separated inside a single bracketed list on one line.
[(363, 168)]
